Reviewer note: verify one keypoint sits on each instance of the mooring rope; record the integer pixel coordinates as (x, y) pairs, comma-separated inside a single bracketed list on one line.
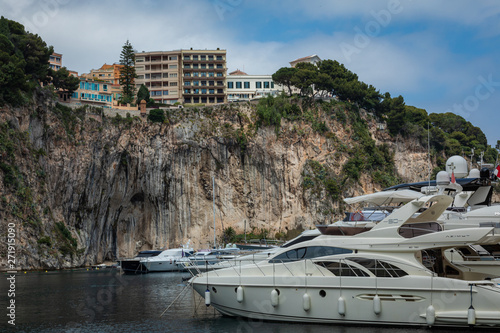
[(168, 307)]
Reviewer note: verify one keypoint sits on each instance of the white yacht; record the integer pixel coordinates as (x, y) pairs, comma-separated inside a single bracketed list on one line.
[(384, 276), (471, 205), (156, 261)]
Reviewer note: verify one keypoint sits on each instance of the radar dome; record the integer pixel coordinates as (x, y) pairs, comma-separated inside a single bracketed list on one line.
[(458, 165), (442, 178), (474, 173)]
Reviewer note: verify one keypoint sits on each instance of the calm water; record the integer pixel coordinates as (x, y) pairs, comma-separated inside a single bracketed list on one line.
[(105, 301)]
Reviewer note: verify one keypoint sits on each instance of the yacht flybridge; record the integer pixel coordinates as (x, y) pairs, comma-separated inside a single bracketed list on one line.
[(397, 273)]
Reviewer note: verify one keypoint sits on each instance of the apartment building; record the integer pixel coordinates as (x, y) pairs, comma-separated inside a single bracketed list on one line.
[(204, 76), (241, 86), (184, 76), (55, 61), (93, 92), (109, 74), (160, 72)]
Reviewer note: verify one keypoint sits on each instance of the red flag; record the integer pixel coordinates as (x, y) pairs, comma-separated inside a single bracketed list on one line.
[(497, 170), (453, 180)]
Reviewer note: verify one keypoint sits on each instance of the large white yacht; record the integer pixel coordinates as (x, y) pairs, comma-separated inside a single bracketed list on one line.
[(471, 205), (382, 276)]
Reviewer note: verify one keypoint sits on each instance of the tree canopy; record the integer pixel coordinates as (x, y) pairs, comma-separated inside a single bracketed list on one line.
[(61, 79), (24, 62)]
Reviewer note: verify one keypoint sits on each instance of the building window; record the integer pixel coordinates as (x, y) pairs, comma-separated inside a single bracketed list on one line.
[(173, 84), (173, 92), (172, 58), (173, 66), (187, 91), (219, 74), (266, 84), (272, 85), (196, 83), (173, 75), (196, 74), (203, 74), (194, 66), (210, 57), (258, 85), (195, 57), (105, 87), (211, 83), (187, 83), (187, 74), (203, 66), (210, 66), (186, 57), (230, 85), (246, 85), (165, 92), (238, 85), (203, 57), (203, 83), (203, 91), (219, 66), (210, 91), (219, 57)]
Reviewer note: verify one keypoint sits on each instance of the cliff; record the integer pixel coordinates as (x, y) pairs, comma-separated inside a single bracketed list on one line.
[(82, 188)]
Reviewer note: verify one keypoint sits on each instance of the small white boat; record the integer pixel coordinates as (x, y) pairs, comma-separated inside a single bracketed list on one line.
[(156, 261)]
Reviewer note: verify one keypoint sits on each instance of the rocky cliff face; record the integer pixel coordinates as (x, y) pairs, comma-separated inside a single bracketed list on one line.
[(103, 189)]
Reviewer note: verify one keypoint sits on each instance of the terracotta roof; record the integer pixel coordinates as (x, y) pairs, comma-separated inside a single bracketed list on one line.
[(237, 72)]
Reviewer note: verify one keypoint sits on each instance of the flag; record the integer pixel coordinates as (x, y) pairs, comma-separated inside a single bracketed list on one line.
[(453, 180), (496, 172)]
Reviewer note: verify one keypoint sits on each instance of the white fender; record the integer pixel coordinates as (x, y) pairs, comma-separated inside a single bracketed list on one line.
[(239, 294), (471, 316), (207, 297), (306, 302), (377, 305), (430, 315), (341, 303), (274, 298)]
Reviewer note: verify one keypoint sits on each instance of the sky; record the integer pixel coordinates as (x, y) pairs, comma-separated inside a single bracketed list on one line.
[(442, 56)]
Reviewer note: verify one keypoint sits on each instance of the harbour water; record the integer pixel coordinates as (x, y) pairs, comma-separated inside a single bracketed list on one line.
[(106, 301)]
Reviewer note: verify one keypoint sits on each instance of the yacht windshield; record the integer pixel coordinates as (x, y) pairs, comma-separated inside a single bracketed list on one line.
[(308, 253)]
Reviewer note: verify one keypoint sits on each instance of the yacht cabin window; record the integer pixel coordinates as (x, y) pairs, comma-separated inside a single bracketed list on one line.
[(379, 268), (342, 268), (308, 253)]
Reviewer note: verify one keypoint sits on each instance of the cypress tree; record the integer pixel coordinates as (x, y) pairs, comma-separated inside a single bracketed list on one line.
[(127, 73)]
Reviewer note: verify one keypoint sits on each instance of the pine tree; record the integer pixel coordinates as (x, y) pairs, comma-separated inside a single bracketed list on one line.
[(127, 73)]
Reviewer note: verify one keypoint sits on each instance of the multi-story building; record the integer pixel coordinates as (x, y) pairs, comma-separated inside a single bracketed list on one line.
[(109, 74), (93, 92), (204, 76), (55, 61), (184, 76), (241, 86), (159, 72)]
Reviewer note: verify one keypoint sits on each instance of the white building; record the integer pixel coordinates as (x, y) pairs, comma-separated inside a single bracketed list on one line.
[(241, 86), (313, 59)]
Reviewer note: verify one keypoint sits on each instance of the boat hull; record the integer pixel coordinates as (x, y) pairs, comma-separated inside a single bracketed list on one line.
[(357, 302)]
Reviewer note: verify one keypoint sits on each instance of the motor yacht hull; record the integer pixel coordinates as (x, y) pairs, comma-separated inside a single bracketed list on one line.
[(381, 301)]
